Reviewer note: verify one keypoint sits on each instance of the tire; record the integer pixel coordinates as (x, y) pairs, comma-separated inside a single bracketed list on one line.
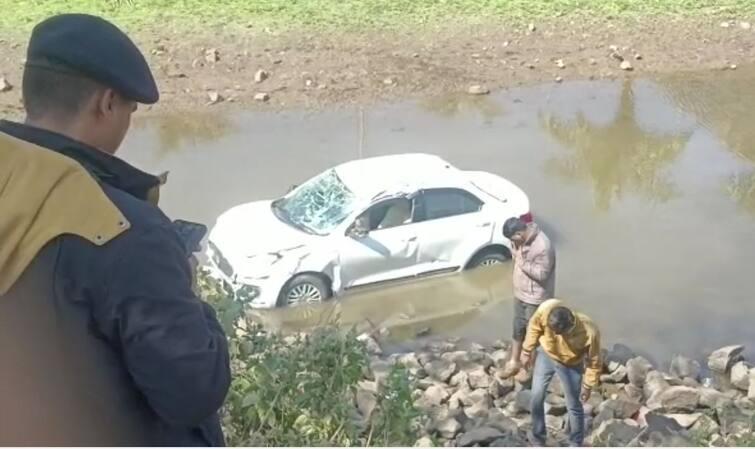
[(487, 258), (304, 289)]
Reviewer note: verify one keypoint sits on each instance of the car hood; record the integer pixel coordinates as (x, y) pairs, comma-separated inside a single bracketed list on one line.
[(252, 239)]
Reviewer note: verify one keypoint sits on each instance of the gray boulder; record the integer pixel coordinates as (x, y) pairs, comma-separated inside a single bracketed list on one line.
[(722, 359), (683, 367), (441, 370), (481, 436), (637, 369), (615, 433), (740, 376), (676, 399)]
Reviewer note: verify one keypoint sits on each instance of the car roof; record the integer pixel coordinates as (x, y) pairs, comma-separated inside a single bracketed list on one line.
[(373, 176)]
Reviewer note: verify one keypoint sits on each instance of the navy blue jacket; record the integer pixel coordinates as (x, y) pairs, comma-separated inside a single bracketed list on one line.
[(108, 345)]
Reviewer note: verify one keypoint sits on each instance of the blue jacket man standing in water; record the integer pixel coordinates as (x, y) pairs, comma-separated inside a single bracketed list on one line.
[(102, 340)]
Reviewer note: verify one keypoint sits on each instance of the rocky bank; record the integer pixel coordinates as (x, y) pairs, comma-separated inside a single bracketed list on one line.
[(638, 404)]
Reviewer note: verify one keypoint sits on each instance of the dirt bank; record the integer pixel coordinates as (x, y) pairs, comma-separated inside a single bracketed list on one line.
[(313, 69)]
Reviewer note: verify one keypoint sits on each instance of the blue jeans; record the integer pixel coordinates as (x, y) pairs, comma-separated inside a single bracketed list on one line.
[(571, 379)]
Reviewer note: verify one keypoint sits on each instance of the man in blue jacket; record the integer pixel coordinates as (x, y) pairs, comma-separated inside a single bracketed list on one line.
[(102, 340)]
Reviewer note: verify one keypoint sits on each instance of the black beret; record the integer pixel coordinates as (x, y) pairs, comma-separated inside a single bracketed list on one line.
[(94, 48)]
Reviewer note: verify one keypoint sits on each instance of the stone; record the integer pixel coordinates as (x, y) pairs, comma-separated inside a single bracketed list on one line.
[(655, 383), (460, 379), (500, 388), (479, 378), (481, 436), (262, 96), (260, 76), (637, 369), (555, 405), (751, 390), (683, 367), (620, 408), (714, 399), (523, 401), (512, 439), (409, 361), (725, 24), (740, 376), (5, 85), (559, 79), (370, 344), (448, 428), (532, 27), (620, 354), (721, 360), (686, 420), (389, 81), (734, 420), (560, 64), (617, 376), (500, 357), (614, 433), (555, 423), (212, 55), (745, 25), (441, 370), (424, 442), (626, 66), (434, 396), (460, 398), (215, 97), (705, 425), (478, 90), (676, 399), (633, 393), (366, 402), (717, 441), (478, 410)]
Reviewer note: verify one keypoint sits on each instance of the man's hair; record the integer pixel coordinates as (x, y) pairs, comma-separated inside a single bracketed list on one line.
[(58, 93), (512, 226), (560, 319)]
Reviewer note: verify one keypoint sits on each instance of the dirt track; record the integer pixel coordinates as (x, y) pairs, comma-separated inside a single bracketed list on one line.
[(320, 69)]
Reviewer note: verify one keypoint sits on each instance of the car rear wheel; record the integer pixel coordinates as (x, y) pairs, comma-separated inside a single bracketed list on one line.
[(487, 259), (304, 289)]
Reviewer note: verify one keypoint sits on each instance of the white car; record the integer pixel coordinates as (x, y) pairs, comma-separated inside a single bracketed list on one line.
[(364, 222)]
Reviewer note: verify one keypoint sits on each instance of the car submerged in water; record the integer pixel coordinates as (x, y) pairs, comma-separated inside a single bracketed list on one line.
[(363, 223)]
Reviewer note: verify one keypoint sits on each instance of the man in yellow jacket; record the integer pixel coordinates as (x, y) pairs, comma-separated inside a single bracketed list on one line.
[(567, 344)]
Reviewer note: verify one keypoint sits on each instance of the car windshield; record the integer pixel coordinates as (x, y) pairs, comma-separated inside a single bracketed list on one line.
[(317, 206)]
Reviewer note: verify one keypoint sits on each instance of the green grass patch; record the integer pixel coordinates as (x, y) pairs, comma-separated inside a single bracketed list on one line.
[(23, 14)]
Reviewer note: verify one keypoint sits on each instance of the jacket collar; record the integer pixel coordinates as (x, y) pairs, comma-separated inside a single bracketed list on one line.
[(104, 167)]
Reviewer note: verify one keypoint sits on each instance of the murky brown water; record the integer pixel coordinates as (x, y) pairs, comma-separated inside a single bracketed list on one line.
[(647, 188)]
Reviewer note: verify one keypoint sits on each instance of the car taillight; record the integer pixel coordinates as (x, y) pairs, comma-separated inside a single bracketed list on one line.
[(527, 218)]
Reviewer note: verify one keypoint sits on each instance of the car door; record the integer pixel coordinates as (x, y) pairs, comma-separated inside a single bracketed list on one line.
[(451, 224), (388, 250)]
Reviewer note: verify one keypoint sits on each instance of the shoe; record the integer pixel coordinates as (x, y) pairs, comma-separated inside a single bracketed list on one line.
[(510, 369)]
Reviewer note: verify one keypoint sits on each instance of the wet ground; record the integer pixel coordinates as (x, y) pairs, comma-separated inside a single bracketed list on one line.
[(647, 188)]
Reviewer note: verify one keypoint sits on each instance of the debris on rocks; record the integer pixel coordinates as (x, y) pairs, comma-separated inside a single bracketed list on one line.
[(261, 76), (478, 90), (626, 66), (262, 96), (215, 97), (560, 64)]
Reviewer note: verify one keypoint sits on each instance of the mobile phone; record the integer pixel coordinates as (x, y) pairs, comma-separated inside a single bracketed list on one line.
[(191, 234)]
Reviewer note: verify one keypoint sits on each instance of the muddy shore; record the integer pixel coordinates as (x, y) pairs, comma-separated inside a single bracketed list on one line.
[(683, 403), (222, 69)]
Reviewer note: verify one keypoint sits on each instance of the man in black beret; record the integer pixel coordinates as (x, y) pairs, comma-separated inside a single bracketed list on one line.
[(102, 340)]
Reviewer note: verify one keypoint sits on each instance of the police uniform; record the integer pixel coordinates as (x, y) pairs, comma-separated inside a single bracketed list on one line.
[(102, 340)]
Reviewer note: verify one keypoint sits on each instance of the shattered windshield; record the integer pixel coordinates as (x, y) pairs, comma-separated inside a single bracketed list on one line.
[(318, 206)]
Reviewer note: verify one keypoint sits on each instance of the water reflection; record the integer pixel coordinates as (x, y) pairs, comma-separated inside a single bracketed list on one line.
[(618, 158), (177, 130), (453, 105)]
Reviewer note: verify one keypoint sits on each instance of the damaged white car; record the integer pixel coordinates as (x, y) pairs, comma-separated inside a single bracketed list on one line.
[(361, 223)]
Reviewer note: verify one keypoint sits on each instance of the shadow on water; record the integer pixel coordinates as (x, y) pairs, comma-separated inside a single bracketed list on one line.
[(618, 158), (621, 175)]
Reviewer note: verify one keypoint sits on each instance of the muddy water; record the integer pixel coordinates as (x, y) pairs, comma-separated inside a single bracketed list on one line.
[(647, 187)]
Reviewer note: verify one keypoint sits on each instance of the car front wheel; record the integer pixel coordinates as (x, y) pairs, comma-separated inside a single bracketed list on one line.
[(304, 289), (487, 259)]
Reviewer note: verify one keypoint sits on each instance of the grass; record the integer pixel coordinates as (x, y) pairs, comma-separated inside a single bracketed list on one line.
[(23, 14)]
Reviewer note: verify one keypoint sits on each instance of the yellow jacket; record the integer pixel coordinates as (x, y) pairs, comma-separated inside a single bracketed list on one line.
[(581, 343)]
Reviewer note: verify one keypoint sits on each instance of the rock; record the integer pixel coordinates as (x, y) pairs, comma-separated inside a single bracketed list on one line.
[(5, 85), (262, 96), (478, 90), (389, 81), (676, 399), (366, 402), (500, 388), (682, 367), (500, 357), (379, 370), (434, 396), (555, 423), (448, 428), (212, 55), (261, 76), (481, 436), (620, 408), (512, 439), (637, 369), (690, 382), (733, 67), (532, 27), (626, 66), (441, 370), (523, 401), (215, 97), (424, 442), (633, 393), (751, 391), (461, 397), (409, 361), (593, 61), (740, 376), (620, 354), (558, 79), (684, 419), (725, 24), (460, 379), (722, 359), (614, 433), (705, 425), (637, 57), (713, 398), (745, 25), (617, 376), (479, 378), (717, 441), (560, 64), (478, 410), (371, 344), (734, 420), (555, 405), (655, 383)]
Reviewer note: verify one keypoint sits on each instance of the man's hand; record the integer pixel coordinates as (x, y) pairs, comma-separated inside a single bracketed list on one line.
[(525, 359), (585, 395)]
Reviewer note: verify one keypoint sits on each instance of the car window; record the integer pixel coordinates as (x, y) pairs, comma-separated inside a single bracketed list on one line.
[(442, 203), (387, 214)]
